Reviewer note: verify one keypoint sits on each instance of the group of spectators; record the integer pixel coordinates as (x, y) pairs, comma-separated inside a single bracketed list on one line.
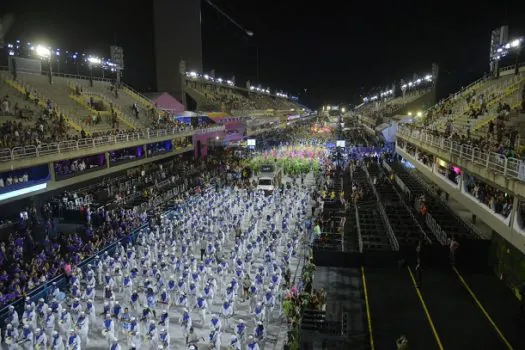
[(26, 261), (498, 201), (228, 99), (76, 166)]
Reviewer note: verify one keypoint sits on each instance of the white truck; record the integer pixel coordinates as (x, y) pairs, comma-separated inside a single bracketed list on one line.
[(269, 178)]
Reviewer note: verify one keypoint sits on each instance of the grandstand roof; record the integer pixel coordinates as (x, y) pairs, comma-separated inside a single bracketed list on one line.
[(165, 101)]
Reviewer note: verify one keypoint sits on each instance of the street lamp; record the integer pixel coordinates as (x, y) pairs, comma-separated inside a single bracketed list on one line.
[(249, 33), (92, 61), (45, 54)]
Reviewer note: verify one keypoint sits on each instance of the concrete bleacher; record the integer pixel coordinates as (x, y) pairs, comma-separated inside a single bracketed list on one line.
[(63, 93), (28, 110), (506, 92), (373, 113), (456, 109), (57, 92), (122, 104), (213, 97)]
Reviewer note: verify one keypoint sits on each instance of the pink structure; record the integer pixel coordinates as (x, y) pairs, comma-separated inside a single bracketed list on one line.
[(202, 141), (166, 102)]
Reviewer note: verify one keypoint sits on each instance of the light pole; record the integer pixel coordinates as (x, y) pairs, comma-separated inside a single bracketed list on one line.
[(92, 61), (45, 53), (516, 45), (235, 23), (251, 34)]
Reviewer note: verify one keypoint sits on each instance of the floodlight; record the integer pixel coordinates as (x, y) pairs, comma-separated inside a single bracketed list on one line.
[(43, 51), (94, 60)]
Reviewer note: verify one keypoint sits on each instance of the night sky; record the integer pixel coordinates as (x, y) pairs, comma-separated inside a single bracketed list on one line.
[(336, 50)]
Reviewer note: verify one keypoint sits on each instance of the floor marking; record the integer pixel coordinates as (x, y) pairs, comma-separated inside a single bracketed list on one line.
[(424, 305), (365, 289), (483, 309)]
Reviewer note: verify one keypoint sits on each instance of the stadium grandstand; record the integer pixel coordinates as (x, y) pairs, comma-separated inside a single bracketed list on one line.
[(231, 216), (215, 94)]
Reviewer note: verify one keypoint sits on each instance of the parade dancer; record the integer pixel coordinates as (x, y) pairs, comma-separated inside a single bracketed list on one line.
[(12, 317), (73, 341), (208, 292), (108, 329), (41, 310), (227, 313), (182, 300), (165, 298), (253, 297), (259, 312), (125, 319), (164, 339), (11, 337), (202, 306), (89, 293), (134, 333), (252, 343), (115, 345), (240, 331), (134, 301), (235, 344), (269, 301), (49, 323), (151, 334), (56, 342), (117, 310), (76, 309), (83, 329), (26, 340), (186, 324), (215, 339), (91, 313), (29, 317), (40, 340), (259, 332), (65, 323), (109, 296), (215, 323), (164, 320)]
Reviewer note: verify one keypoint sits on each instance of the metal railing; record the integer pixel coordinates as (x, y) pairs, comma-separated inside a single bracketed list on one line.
[(32, 152), (436, 229), (384, 217), (359, 236), (498, 163)]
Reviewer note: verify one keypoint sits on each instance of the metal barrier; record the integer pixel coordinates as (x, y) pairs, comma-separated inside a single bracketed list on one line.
[(436, 229), (31, 152), (498, 163), (391, 235), (359, 237)]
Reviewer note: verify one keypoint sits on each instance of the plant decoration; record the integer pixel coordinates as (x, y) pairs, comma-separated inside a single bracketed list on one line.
[(294, 160)]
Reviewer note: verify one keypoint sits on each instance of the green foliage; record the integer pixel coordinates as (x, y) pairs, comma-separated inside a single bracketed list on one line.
[(290, 166)]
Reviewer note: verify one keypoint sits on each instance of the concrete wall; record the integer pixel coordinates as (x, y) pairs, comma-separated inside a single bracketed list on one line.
[(177, 36)]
